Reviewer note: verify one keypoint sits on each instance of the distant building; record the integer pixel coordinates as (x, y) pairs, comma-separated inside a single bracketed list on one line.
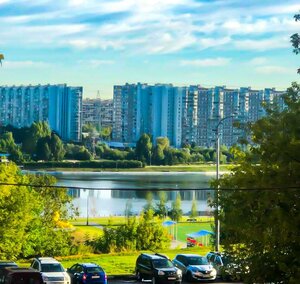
[(97, 112), (59, 105), (186, 114)]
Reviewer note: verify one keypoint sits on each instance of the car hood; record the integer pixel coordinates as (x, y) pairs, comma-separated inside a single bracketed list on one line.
[(54, 274), (171, 269), (206, 267)]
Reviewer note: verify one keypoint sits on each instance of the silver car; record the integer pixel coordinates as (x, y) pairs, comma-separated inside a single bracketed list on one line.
[(195, 267)]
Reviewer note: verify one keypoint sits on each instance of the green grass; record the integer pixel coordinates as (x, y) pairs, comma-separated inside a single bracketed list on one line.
[(176, 168), (186, 228), (124, 263)]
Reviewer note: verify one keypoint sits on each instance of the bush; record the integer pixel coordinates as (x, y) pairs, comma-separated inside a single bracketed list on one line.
[(124, 164)]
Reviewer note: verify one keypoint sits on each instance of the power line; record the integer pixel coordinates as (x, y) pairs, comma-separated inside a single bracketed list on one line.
[(157, 189)]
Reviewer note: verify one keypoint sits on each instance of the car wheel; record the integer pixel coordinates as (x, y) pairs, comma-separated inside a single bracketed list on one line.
[(189, 277), (153, 280), (138, 276)]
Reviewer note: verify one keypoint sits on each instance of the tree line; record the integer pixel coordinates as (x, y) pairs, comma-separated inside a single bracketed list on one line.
[(39, 143)]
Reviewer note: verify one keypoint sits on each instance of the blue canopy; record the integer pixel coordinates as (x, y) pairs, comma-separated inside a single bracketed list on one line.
[(168, 223), (200, 234)]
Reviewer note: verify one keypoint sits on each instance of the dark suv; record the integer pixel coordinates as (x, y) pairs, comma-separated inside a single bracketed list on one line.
[(158, 268), (16, 275)]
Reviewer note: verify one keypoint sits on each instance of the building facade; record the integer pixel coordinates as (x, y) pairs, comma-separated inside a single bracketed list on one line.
[(97, 112), (187, 114), (59, 105)]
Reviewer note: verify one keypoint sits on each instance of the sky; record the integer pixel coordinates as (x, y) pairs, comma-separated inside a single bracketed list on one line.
[(101, 43)]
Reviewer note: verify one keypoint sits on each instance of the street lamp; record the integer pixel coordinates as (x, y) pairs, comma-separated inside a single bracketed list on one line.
[(217, 220)]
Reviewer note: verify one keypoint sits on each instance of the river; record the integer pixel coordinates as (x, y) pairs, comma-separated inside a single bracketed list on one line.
[(109, 193)]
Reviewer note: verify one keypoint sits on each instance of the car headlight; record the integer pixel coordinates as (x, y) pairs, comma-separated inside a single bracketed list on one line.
[(67, 278), (213, 272), (179, 272), (45, 278), (160, 272)]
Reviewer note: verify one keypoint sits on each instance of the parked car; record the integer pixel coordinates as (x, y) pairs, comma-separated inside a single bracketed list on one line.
[(52, 271), (16, 275), (7, 264), (158, 268), (195, 267), (226, 267), (88, 273)]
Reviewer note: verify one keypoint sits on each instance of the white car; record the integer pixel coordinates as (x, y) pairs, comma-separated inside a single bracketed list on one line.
[(195, 267), (52, 271)]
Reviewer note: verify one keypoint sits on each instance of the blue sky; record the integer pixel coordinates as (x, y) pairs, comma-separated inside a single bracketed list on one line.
[(99, 43)]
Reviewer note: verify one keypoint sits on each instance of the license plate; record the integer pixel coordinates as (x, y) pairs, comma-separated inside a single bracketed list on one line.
[(97, 276), (171, 278)]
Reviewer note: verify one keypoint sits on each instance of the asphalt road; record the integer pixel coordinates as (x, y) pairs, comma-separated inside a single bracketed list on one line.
[(126, 280)]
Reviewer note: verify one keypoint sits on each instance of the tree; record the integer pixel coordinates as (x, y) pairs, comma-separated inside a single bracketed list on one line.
[(30, 216), (57, 147), (176, 211), (143, 148), (149, 199), (36, 131), (260, 220), (7, 145), (161, 208), (295, 39), (194, 210)]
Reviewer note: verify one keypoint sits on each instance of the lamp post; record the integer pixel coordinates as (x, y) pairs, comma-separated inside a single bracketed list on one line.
[(217, 220)]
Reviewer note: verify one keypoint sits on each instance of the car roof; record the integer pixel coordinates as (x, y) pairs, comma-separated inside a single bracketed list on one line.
[(155, 256), (47, 260), (88, 264), (21, 269), (189, 255)]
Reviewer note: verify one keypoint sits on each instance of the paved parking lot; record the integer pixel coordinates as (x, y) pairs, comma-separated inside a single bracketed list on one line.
[(128, 280)]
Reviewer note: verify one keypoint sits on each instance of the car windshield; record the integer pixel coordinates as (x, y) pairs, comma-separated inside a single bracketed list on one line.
[(52, 267), (94, 269), (162, 263), (197, 260)]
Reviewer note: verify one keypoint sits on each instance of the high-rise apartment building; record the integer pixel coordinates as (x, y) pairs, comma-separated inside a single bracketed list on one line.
[(60, 105), (187, 114), (97, 112)]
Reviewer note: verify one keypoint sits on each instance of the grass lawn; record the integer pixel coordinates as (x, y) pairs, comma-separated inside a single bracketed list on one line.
[(176, 168), (186, 228), (117, 264)]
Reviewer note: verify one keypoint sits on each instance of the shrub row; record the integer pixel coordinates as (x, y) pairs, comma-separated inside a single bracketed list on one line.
[(124, 164)]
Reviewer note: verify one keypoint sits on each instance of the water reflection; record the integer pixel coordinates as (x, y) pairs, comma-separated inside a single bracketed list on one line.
[(108, 193)]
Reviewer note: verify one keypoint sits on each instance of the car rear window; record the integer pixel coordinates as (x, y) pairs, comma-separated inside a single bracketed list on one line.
[(52, 267), (94, 269)]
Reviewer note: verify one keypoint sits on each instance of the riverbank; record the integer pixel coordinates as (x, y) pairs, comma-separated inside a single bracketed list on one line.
[(176, 168)]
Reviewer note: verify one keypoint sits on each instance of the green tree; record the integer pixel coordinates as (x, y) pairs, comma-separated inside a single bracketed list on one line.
[(36, 131), (151, 234), (143, 148), (194, 210), (295, 39), (7, 145), (260, 221), (161, 207), (176, 211), (31, 217), (149, 200), (57, 147)]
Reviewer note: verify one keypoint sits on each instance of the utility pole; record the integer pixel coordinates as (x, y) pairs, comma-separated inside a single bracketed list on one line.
[(217, 219)]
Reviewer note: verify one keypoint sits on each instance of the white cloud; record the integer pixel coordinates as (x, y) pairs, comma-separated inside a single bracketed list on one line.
[(94, 63), (25, 64), (272, 69), (207, 62), (262, 44), (258, 61)]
